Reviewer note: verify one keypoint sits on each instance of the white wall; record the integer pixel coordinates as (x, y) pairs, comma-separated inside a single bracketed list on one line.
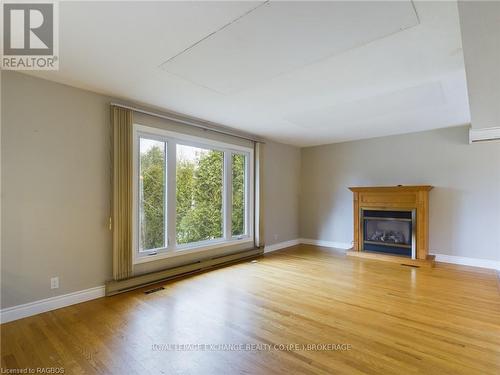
[(55, 189), (55, 162), (281, 192), (464, 204)]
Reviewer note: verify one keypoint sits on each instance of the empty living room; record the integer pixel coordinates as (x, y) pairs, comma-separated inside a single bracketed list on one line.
[(250, 187)]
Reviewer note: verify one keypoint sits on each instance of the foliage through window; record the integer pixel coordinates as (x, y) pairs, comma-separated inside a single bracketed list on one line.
[(184, 196), (238, 199), (199, 194), (152, 194)]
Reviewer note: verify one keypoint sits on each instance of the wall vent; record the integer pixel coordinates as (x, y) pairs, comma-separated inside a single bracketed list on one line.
[(154, 290)]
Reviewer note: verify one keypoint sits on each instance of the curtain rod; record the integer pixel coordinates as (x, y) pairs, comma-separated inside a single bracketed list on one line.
[(193, 123)]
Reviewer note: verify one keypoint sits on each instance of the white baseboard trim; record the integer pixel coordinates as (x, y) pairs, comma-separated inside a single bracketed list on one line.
[(333, 244), (281, 245), (475, 262), (28, 309)]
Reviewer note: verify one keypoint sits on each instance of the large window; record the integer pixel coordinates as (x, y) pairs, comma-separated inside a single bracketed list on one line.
[(190, 194)]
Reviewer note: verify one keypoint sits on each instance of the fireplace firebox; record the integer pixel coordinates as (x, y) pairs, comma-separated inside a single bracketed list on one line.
[(388, 231)]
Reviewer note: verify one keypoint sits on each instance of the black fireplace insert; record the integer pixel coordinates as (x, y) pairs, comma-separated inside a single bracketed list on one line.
[(388, 231)]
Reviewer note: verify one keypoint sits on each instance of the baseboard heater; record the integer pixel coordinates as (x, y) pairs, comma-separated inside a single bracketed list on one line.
[(119, 286)]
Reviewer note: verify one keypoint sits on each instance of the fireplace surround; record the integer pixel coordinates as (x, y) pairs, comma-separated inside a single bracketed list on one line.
[(391, 223)]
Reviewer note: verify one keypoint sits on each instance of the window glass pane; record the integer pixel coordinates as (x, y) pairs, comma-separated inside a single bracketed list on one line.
[(199, 192), (238, 212), (151, 194)]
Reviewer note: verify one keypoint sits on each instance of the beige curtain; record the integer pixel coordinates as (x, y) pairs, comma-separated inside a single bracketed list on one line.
[(259, 201), (121, 120)]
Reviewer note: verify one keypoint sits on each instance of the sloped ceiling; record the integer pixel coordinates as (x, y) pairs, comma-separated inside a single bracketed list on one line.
[(303, 73)]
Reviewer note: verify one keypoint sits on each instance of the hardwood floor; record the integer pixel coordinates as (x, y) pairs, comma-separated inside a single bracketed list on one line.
[(392, 319)]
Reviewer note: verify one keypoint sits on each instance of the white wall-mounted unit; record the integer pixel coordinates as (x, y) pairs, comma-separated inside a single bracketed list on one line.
[(484, 134)]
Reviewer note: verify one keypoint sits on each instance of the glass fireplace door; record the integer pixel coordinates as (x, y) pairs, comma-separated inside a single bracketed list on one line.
[(388, 231)]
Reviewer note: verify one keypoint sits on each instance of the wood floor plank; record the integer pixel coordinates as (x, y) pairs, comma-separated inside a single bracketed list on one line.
[(392, 319)]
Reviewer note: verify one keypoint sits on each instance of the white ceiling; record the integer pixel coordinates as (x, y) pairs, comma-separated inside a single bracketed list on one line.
[(278, 37), (302, 73)]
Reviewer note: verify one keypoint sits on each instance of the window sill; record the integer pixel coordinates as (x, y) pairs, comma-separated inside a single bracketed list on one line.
[(138, 259)]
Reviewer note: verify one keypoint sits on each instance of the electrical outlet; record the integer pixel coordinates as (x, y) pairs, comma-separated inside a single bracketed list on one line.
[(276, 237), (54, 282)]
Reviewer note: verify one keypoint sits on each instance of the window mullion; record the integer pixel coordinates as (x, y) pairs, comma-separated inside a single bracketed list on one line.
[(228, 194), (246, 214), (171, 194), (166, 225), (250, 186)]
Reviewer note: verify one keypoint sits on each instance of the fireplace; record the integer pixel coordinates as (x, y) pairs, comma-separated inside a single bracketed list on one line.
[(388, 231), (391, 223)]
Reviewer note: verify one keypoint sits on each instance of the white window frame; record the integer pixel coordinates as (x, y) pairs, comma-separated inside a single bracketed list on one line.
[(172, 139), (248, 198)]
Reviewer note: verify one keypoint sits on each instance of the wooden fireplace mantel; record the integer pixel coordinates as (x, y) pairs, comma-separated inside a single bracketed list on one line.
[(394, 197), (395, 189)]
